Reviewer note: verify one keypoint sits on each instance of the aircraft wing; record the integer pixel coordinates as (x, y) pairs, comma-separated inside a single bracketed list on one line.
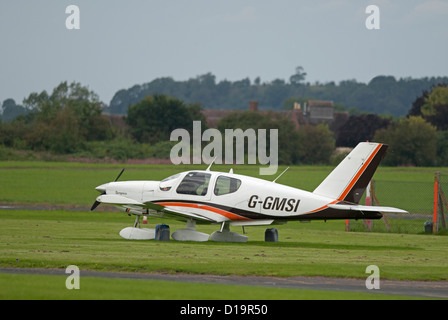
[(265, 222), (164, 211), (356, 207), (176, 213)]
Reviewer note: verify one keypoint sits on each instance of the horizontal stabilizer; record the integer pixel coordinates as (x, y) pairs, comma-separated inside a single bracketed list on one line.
[(365, 208)]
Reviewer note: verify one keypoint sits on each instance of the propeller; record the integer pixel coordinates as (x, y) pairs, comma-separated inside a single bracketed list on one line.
[(119, 175), (97, 203)]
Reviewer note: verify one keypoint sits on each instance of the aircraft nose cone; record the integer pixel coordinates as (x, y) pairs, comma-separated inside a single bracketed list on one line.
[(102, 188)]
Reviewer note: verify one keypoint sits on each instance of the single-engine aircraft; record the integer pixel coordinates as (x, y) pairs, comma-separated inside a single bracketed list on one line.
[(228, 199)]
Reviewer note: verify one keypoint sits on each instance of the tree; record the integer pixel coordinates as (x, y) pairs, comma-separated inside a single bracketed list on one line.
[(60, 122), (287, 136), (68, 128), (83, 104), (359, 128), (276, 93), (308, 145), (416, 109), (155, 117), (195, 112), (316, 145), (442, 148), (411, 142), (433, 106), (11, 110), (298, 77)]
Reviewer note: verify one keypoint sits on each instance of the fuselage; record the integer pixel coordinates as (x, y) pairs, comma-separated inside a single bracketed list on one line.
[(228, 199), (222, 197)]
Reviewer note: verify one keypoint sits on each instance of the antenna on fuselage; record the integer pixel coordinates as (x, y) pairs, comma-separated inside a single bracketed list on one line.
[(280, 174), (208, 169)]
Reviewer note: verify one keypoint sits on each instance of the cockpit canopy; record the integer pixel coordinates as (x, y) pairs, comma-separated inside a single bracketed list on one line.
[(197, 183)]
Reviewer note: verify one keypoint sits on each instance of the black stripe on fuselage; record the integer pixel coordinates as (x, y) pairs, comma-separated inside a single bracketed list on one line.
[(324, 214)]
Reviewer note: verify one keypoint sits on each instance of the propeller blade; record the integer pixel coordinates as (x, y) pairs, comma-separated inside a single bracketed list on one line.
[(119, 175), (96, 203)]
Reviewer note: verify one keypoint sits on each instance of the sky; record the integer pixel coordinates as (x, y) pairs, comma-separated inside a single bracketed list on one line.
[(123, 43)]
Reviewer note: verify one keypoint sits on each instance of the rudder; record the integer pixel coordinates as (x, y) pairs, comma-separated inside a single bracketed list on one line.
[(349, 180)]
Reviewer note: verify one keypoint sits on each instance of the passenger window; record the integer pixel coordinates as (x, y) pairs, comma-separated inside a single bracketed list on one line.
[(194, 183), (226, 185)]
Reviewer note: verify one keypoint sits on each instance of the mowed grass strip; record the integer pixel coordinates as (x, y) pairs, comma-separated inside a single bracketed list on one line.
[(44, 287), (90, 240), (74, 183), (67, 183)]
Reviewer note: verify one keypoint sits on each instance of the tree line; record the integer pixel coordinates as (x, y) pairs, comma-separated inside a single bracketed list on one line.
[(418, 139), (382, 95), (60, 122), (69, 121), (154, 118)]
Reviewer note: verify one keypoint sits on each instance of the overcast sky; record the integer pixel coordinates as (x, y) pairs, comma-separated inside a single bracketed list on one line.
[(123, 43)]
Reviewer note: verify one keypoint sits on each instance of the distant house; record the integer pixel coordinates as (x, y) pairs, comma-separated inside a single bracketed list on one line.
[(213, 116), (314, 112), (319, 111)]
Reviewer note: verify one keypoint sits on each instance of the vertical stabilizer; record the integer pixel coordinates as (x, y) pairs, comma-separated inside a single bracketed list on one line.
[(348, 181)]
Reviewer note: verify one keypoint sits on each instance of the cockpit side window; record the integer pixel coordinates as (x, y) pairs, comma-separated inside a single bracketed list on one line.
[(194, 183), (226, 185)]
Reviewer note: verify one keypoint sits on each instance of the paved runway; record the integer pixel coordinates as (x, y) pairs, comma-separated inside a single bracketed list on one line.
[(428, 289)]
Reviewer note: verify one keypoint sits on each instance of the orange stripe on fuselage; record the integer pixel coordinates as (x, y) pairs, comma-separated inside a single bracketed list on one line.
[(322, 208), (224, 213), (360, 172)]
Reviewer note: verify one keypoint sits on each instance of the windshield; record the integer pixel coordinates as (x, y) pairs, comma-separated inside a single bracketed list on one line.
[(171, 177)]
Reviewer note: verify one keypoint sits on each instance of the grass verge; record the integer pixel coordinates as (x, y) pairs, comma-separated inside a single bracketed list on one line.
[(56, 239)]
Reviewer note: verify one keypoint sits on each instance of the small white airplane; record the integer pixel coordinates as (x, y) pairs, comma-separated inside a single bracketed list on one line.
[(228, 199)]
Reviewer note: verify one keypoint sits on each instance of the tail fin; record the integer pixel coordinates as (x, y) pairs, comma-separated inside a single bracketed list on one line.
[(348, 181)]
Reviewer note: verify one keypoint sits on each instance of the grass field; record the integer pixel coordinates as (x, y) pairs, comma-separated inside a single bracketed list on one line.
[(73, 183), (53, 288), (90, 240), (55, 239)]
